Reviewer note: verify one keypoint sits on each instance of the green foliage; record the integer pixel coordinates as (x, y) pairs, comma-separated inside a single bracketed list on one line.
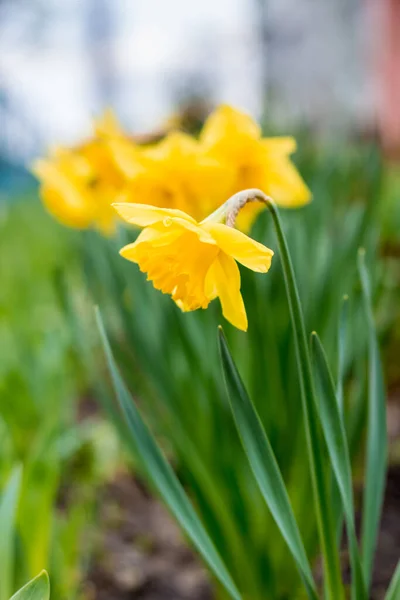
[(170, 360), (36, 589), (376, 451), (336, 441), (163, 477), (40, 384), (8, 512), (394, 589), (322, 419), (264, 465), (244, 501)]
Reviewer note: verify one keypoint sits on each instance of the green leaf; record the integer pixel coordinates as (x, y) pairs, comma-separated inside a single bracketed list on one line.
[(377, 444), (263, 464), (341, 350), (37, 589), (162, 475), (8, 511), (322, 499), (343, 315), (393, 592), (336, 441)]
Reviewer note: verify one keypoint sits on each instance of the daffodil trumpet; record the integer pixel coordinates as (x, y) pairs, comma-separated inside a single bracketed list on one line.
[(194, 261)]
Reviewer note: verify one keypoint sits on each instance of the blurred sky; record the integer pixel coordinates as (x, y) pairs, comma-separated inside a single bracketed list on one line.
[(47, 67), (58, 57)]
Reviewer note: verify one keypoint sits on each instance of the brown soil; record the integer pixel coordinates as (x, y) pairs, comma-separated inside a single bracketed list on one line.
[(388, 550), (140, 554)]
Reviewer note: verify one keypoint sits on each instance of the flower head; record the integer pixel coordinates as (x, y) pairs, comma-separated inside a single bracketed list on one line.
[(233, 137), (193, 262), (174, 173), (78, 185)]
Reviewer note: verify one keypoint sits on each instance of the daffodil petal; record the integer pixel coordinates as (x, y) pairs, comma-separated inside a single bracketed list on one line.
[(107, 124), (48, 172), (151, 235), (127, 157), (227, 123), (248, 252), (285, 185), (283, 145), (63, 199), (225, 276), (175, 145), (144, 215), (67, 205), (200, 231)]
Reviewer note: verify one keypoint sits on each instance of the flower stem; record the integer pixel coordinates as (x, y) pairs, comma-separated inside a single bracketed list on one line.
[(316, 450)]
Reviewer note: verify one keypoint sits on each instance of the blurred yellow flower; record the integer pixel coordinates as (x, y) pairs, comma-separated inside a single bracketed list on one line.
[(233, 137), (179, 172), (107, 126), (174, 173), (61, 188), (78, 185), (193, 262)]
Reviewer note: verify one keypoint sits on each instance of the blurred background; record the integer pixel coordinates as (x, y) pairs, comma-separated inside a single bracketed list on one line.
[(328, 65), (328, 73)]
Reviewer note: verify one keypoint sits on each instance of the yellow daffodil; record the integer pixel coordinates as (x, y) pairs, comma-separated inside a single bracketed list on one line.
[(79, 185), (233, 137), (193, 262), (62, 192), (107, 126), (175, 173)]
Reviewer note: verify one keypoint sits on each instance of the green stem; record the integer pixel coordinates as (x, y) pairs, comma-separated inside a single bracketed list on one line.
[(316, 450)]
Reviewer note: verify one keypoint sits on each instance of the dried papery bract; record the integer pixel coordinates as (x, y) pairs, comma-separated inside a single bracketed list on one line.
[(229, 211)]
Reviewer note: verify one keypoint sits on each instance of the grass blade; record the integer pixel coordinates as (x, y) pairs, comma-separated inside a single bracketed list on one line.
[(377, 444), (162, 475), (393, 592), (8, 511), (322, 499), (336, 441), (37, 589), (263, 464)]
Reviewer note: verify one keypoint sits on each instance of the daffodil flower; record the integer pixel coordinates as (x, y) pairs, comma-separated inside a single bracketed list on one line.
[(194, 262), (233, 137), (174, 173), (79, 185)]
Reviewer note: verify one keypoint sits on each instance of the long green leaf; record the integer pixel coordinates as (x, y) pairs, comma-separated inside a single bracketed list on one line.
[(37, 589), (341, 351), (263, 464), (8, 511), (393, 592), (336, 441), (162, 475), (377, 444), (342, 330), (323, 505)]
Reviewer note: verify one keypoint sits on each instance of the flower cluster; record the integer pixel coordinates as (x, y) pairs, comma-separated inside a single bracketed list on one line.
[(79, 185)]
